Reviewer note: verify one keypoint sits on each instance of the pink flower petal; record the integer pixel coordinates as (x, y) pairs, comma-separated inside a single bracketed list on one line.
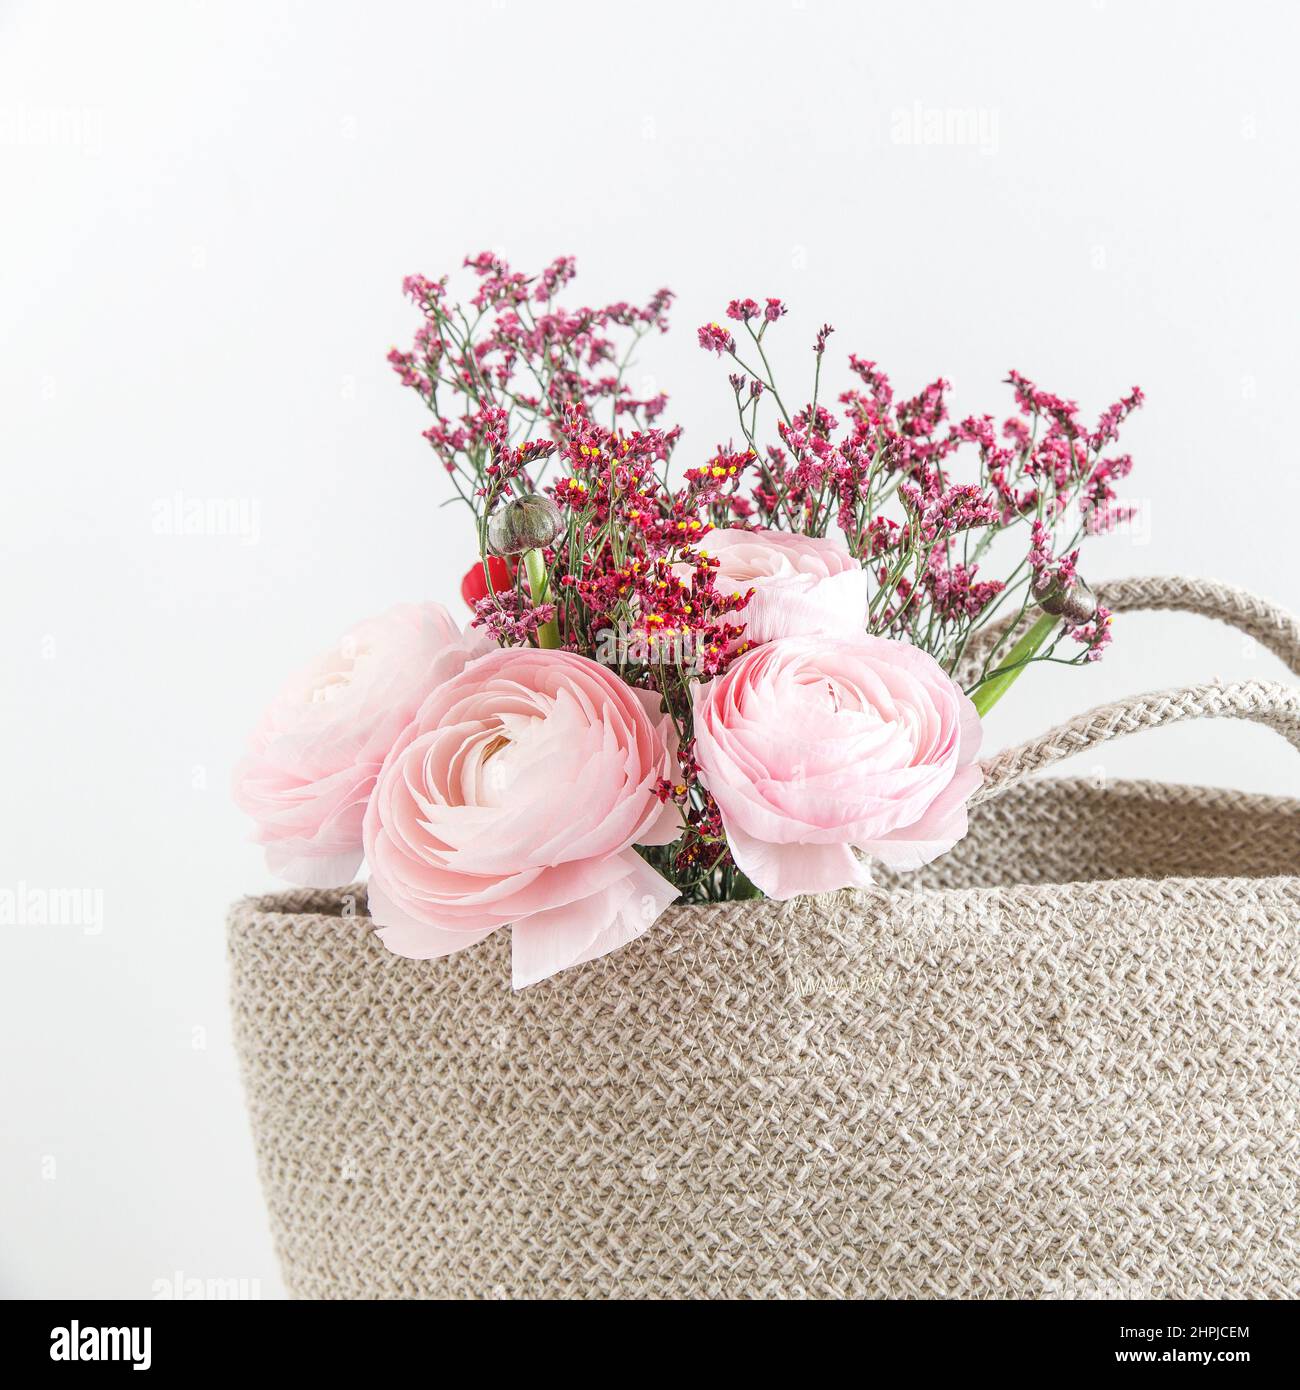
[(816, 747), (791, 870), (548, 942), (405, 935), (312, 762), (942, 825), (514, 796), (309, 870)]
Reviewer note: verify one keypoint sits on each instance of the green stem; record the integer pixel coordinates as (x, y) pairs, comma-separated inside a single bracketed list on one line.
[(548, 635), (996, 685), (742, 889)]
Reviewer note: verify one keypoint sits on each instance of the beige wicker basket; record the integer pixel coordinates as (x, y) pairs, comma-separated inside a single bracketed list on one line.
[(1055, 1064)]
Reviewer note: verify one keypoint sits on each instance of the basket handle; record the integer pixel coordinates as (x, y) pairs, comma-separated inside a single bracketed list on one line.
[(1272, 627), (1264, 702), (1269, 625)]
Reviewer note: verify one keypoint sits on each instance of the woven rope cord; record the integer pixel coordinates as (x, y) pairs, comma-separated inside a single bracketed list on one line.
[(1021, 1075), (1264, 702), (1018, 1073), (1265, 622), (1272, 627)]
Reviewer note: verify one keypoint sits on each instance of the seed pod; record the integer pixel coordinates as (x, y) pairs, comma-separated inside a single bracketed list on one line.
[(1077, 604), (524, 523)]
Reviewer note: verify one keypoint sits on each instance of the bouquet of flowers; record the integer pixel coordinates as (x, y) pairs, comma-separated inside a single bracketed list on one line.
[(754, 675)]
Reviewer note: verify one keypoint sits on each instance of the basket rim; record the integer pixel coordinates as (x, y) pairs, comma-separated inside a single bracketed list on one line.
[(290, 904), (263, 909), (1148, 789)]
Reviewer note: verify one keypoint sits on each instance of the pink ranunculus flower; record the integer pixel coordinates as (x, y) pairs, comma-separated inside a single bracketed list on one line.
[(815, 749), (313, 759), (803, 585), (515, 796)]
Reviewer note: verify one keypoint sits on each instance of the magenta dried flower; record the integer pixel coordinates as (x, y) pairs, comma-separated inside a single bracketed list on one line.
[(715, 338), (511, 618), (955, 525)]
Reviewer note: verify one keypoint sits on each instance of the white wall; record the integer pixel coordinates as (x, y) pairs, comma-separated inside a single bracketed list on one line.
[(209, 210)]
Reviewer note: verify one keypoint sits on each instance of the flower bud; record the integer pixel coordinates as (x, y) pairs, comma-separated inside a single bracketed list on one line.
[(524, 523), (1077, 604)]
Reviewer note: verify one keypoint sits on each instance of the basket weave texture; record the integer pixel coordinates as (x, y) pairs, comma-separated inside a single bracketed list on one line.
[(1063, 1061)]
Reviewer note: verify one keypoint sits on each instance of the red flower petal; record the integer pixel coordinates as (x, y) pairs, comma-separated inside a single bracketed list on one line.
[(474, 586)]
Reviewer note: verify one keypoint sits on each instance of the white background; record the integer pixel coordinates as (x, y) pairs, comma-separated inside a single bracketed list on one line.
[(208, 212)]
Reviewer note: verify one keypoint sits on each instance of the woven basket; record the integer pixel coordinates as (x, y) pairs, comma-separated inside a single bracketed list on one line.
[(1063, 1061)]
